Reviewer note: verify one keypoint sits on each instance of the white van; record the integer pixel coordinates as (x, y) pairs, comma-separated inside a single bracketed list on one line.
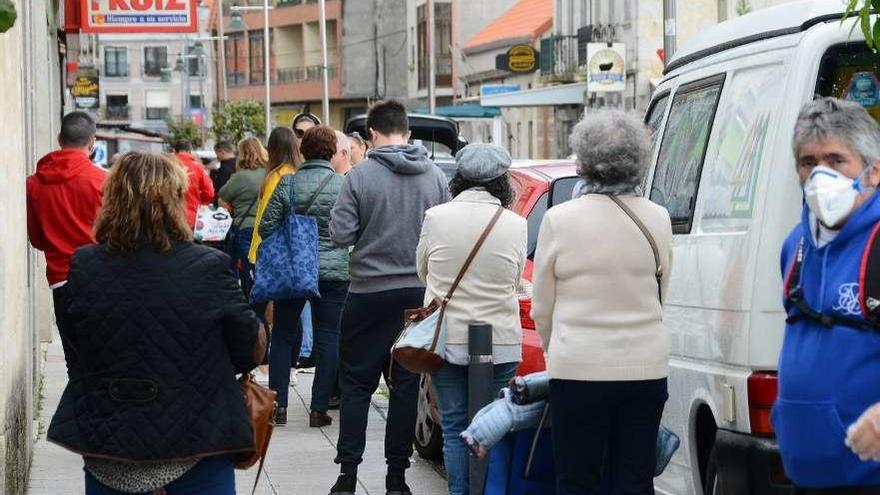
[(723, 166)]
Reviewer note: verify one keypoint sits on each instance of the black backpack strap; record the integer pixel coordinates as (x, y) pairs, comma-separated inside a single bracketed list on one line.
[(869, 279), (794, 292)]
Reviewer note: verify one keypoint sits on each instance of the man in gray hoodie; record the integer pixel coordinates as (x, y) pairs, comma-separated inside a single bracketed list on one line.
[(379, 211)]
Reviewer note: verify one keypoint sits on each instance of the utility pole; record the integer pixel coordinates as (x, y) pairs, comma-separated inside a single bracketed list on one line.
[(266, 67), (325, 98), (222, 44), (668, 30), (431, 56)]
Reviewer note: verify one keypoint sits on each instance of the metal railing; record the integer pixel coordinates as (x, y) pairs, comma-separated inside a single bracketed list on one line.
[(559, 57), (300, 74), (117, 113)]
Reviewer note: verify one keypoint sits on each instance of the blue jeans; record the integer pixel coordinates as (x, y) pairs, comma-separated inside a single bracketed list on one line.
[(308, 332), (214, 475), (451, 382), (240, 248), (327, 319)]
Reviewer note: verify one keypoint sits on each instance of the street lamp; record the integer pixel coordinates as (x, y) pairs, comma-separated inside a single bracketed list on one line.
[(232, 21)]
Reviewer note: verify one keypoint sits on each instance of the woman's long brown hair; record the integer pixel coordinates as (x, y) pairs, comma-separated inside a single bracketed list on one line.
[(283, 148), (143, 202)]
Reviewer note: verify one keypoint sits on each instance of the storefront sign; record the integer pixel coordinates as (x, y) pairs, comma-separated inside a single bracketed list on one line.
[(139, 16), (497, 89), (86, 95), (522, 59), (606, 67)]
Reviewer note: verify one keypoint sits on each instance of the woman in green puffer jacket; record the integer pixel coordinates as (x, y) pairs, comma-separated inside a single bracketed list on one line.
[(316, 174)]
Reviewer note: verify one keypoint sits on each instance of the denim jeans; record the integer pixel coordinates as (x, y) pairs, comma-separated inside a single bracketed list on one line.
[(307, 322), (451, 382), (214, 475), (327, 318), (240, 247), (286, 336), (606, 430)]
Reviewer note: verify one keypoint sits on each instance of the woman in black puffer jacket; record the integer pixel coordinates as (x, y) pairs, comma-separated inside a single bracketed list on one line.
[(158, 328)]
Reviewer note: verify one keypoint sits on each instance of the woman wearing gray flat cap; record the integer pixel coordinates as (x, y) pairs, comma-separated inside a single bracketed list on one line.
[(481, 197)]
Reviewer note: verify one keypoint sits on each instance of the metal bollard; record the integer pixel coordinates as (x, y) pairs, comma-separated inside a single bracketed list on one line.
[(481, 375)]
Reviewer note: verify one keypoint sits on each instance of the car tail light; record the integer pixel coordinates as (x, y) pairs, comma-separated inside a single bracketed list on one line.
[(763, 387), (524, 291)]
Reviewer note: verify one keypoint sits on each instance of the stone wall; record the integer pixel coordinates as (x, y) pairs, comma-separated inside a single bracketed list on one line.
[(30, 105)]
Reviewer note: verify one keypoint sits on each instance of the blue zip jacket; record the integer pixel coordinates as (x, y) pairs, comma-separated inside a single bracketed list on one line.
[(828, 376)]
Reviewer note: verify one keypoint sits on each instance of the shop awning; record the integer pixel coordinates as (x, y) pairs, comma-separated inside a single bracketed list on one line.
[(566, 94)]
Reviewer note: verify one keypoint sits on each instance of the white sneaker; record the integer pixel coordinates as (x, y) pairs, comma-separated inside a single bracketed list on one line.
[(261, 378)]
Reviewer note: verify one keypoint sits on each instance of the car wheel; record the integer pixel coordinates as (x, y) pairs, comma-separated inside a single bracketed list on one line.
[(429, 436)]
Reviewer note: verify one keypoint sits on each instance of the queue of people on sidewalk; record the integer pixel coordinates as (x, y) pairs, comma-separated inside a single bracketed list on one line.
[(155, 327)]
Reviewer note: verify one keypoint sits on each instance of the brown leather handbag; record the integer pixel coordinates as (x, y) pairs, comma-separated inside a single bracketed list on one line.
[(428, 360), (260, 403)]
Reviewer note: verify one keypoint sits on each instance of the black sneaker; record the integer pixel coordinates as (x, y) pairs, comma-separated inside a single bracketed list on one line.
[(281, 416), (395, 484), (345, 485)]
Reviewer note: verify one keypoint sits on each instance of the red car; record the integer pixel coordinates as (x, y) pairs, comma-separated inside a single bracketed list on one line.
[(538, 185)]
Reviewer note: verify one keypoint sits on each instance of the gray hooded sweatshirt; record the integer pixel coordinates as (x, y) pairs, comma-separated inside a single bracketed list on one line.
[(380, 210)]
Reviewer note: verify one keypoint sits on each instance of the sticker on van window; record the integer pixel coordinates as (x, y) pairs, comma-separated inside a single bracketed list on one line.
[(863, 88)]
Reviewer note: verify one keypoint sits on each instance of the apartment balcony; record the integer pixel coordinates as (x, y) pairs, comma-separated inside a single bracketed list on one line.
[(560, 59), (289, 12), (289, 85), (117, 113)]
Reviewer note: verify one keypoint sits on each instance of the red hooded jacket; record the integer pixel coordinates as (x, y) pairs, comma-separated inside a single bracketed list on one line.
[(63, 199), (201, 190)]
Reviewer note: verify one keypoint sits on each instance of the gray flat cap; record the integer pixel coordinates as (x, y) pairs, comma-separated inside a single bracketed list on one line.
[(482, 162)]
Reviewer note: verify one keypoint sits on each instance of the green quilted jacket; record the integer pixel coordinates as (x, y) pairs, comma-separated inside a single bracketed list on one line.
[(333, 260)]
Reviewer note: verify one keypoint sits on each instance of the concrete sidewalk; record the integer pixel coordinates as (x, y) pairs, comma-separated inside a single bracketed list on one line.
[(300, 460)]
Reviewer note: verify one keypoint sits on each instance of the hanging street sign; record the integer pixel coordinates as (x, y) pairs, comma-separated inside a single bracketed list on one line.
[(606, 67), (139, 16)]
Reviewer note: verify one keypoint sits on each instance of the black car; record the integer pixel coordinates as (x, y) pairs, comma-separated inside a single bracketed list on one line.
[(438, 134)]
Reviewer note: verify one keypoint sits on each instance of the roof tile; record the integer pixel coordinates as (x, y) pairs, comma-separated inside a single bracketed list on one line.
[(528, 18)]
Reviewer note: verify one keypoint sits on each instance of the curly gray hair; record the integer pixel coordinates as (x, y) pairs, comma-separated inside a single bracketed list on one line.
[(612, 149), (825, 118)]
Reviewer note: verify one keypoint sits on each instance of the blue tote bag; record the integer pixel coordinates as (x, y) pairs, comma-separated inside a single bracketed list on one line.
[(287, 261)]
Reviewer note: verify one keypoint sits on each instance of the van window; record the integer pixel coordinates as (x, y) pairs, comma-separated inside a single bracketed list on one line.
[(731, 172), (683, 149), (655, 118), (851, 72)]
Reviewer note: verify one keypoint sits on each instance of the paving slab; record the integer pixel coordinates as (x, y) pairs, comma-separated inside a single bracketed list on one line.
[(300, 459)]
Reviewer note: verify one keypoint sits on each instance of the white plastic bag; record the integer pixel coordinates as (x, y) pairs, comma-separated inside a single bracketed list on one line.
[(212, 224)]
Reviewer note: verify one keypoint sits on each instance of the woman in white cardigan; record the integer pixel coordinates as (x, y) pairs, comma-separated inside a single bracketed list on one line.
[(487, 292), (597, 307)]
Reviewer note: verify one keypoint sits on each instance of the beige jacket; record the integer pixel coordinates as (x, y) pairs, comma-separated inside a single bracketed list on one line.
[(488, 290), (595, 301)]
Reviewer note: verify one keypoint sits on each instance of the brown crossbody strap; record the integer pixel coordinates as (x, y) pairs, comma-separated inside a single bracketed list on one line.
[(473, 254), (464, 269), (647, 233)]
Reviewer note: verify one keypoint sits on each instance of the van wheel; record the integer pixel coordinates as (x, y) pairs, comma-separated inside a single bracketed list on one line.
[(429, 436)]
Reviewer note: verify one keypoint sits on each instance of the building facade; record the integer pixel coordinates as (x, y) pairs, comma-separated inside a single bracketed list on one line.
[(30, 71), (146, 82)]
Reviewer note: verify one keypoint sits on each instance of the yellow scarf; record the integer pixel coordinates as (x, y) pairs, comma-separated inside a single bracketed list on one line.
[(269, 186)]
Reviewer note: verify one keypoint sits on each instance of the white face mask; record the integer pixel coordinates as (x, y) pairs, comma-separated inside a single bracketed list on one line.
[(831, 195)]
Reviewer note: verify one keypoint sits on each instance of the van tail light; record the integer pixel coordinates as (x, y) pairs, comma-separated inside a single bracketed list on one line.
[(763, 387)]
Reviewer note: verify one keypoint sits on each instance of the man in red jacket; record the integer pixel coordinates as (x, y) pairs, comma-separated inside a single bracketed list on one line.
[(201, 190), (63, 199)]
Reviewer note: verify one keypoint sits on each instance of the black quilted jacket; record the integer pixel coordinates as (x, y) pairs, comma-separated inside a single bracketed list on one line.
[(154, 345)]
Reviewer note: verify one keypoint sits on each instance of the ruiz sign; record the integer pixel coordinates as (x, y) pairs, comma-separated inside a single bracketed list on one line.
[(139, 16)]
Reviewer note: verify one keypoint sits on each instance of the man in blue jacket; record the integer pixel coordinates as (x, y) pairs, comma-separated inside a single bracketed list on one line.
[(829, 367)]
